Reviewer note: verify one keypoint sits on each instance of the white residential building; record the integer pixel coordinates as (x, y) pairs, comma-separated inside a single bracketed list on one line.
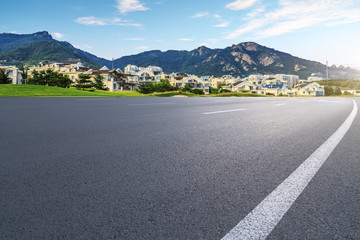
[(14, 73)]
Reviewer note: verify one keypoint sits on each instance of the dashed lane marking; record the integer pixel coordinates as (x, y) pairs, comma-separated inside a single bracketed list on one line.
[(224, 111)]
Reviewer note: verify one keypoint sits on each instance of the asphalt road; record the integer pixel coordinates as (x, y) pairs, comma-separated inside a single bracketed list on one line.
[(172, 168)]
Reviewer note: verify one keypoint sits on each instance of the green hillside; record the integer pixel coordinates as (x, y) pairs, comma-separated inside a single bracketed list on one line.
[(21, 49)]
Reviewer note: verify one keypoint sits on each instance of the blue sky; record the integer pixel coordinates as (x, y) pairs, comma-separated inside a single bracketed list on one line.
[(313, 29)]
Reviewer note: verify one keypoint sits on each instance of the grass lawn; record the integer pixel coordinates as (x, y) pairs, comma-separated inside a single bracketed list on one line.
[(10, 90)]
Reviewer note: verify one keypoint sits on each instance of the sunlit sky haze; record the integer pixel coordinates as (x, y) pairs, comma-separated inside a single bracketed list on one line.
[(317, 30)]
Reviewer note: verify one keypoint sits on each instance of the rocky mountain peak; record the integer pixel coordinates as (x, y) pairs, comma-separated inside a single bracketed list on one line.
[(250, 46), (202, 50)]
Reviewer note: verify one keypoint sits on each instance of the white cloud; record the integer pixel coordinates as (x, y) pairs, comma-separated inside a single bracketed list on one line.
[(13, 32), (217, 16), (255, 12), (95, 21), (125, 6), (142, 48), (200, 15), (185, 39), (135, 39), (223, 24), (292, 15), (241, 4), (58, 35)]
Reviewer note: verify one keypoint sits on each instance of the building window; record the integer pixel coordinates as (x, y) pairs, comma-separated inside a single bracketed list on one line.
[(10, 72)]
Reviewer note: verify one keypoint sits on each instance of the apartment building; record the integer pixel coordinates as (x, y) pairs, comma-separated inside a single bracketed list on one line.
[(14, 73), (114, 80)]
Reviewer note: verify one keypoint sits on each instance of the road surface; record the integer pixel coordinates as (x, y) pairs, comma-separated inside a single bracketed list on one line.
[(173, 168)]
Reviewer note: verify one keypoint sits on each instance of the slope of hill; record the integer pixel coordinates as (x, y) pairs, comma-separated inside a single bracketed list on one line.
[(18, 49), (239, 60), (9, 41)]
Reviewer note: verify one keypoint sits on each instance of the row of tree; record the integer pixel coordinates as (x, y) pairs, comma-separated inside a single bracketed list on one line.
[(162, 86), (330, 91), (343, 83), (51, 78), (165, 86)]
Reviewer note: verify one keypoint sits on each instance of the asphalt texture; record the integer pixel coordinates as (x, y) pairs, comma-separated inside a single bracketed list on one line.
[(159, 168)]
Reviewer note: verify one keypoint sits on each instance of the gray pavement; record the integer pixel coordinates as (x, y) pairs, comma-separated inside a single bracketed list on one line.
[(159, 168)]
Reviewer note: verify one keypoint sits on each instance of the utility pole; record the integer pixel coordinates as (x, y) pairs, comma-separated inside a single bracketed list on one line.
[(327, 70)]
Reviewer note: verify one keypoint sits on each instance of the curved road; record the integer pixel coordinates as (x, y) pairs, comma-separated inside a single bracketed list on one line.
[(172, 168)]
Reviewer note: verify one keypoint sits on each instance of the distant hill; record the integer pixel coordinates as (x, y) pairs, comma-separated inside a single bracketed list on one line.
[(10, 41), (21, 49), (241, 59)]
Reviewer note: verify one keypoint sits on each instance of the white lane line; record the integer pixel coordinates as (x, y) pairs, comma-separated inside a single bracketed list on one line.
[(145, 104), (259, 223), (225, 111), (280, 104), (329, 101)]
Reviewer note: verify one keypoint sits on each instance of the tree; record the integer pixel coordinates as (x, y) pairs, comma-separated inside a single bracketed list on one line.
[(4, 77), (24, 72), (162, 86), (188, 87), (146, 88), (84, 82), (337, 91), (99, 82), (213, 90), (197, 91), (50, 78), (328, 91), (63, 81)]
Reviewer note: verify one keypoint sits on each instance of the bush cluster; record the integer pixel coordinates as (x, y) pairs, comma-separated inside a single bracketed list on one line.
[(162, 86), (330, 91), (50, 78)]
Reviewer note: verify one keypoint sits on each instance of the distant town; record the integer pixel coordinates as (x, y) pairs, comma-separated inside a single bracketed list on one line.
[(133, 77)]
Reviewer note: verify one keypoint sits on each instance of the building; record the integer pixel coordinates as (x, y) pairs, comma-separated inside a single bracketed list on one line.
[(144, 75), (315, 77), (14, 73), (114, 80), (311, 89), (215, 82)]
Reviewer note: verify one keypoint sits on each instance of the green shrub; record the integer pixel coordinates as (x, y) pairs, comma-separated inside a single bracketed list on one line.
[(197, 91), (162, 86)]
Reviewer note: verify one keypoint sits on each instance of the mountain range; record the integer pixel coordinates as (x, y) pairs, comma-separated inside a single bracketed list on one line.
[(240, 59)]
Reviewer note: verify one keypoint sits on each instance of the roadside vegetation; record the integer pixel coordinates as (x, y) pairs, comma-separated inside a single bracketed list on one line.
[(334, 87), (4, 77), (344, 84), (27, 90), (11, 90), (189, 90)]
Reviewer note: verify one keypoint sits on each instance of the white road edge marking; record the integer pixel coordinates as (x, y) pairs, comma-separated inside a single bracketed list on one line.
[(280, 104), (225, 111), (260, 222)]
